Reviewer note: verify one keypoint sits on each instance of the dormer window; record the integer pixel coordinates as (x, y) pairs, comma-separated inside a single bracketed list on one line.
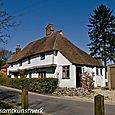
[(20, 63), (29, 60), (11, 65), (42, 56), (55, 53)]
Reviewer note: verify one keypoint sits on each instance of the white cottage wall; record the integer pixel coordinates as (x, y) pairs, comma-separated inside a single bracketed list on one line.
[(99, 80), (61, 61), (34, 61)]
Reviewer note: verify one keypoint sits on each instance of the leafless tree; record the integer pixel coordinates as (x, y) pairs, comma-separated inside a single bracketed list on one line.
[(4, 56), (6, 23)]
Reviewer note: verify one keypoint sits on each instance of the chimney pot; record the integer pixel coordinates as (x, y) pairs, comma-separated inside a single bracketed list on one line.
[(61, 32), (49, 29), (18, 49)]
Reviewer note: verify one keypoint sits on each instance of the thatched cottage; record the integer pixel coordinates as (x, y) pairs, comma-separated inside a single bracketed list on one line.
[(55, 56)]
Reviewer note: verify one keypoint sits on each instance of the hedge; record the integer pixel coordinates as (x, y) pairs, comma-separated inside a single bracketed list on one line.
[(2, 74), (5, 105), (40, 85)]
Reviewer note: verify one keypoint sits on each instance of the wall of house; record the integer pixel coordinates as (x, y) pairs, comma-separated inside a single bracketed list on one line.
[(69, 82), (61, 61), (34, 61), (99, 80), (14, 68)]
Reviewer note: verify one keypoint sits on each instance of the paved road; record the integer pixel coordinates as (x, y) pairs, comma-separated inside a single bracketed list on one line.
[(52, 105)]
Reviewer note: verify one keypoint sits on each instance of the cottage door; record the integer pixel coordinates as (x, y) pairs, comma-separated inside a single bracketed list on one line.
[(78, 77)]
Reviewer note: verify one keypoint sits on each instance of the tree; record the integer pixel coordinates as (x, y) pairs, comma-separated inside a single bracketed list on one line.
[(101, 31), (4, 56), (6, 23)]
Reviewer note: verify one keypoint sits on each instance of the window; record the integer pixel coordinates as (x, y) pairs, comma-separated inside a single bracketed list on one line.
[(65, 72), (83, 69), (106, 83), (42, 56), (29, 60), (42, 74), (11, 65), (30, 75), (97, 72), (20, 63), (101, 73), (55, 53)]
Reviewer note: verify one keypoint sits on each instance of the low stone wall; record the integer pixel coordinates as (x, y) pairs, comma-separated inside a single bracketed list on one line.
[(71, 91)]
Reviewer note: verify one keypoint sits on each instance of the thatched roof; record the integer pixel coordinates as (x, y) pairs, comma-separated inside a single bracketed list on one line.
[(58, 42)]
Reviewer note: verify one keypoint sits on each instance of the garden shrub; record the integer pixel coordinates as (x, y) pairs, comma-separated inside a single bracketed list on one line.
[(5, 105), (87, 81), (40, 85), (2, 74)]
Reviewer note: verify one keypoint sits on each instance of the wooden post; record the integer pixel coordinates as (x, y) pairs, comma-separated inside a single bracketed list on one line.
[(99, 105), (24, 99)]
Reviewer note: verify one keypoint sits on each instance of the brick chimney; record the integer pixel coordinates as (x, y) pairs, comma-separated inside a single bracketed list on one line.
[(49, 29), (18, 49)]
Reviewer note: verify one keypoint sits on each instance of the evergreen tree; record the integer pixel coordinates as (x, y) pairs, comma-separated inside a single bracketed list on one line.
[(101, 31)]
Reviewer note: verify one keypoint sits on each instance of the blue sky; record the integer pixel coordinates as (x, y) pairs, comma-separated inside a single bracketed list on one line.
[(71, 16)]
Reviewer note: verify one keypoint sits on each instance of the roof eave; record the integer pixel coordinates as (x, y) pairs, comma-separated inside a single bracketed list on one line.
[(88, 65)]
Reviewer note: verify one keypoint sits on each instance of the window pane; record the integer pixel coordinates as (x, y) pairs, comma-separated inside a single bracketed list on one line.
[(41, 74), (28, 60), (68, 73), (20, 63), (42, 56), (30, 75), (101, 72), (65, 72), (97, 73)]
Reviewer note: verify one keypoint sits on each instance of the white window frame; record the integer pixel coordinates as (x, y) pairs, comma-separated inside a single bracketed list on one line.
[(66, 72)]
